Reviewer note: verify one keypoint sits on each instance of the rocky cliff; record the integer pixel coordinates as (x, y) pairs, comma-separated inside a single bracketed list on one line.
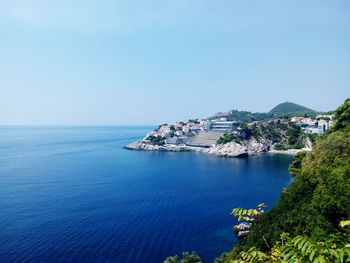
[(231, 149), (244, 148)]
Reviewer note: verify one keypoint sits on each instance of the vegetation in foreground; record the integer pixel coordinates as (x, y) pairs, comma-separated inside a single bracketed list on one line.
[(310, 222), (186, 258)]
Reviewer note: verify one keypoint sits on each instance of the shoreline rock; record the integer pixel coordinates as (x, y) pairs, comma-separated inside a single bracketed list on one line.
[(245, 148), (242, 229), (289, 151), (143, 146), (231, 149)]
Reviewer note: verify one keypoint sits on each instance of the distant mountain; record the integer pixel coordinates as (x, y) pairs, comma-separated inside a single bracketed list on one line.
[(290, 108)]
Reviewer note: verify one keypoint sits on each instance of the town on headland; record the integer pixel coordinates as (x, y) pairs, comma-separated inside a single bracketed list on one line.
[(287, 128)]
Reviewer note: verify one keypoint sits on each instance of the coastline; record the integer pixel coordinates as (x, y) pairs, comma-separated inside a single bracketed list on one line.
[(289, 151), (224, 150)]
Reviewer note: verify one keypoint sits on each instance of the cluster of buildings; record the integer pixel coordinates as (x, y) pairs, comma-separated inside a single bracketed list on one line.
[(318, 125), (183, 133), (179, 133)]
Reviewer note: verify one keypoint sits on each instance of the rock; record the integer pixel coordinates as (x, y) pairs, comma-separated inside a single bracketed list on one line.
[(241, 234), (144, 146), (242, 227), (245, 148)]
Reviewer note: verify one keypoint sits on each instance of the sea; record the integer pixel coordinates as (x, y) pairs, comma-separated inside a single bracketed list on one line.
[(74, 194)]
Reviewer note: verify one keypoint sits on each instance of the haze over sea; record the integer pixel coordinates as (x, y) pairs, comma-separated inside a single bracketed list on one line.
[(73, 194)]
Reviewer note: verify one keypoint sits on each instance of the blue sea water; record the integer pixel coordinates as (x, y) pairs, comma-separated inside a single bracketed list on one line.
[(73, 194)]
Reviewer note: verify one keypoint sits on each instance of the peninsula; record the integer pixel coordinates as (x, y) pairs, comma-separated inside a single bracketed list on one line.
[(287, 128)]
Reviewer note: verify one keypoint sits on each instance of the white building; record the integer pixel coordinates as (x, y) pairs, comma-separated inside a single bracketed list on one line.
[(221, 125), (323, 127)]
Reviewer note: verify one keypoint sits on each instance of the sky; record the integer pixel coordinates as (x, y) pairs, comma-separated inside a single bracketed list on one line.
[(149, 62)]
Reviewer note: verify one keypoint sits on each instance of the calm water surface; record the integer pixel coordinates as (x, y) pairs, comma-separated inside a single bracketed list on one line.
[(73, 194)]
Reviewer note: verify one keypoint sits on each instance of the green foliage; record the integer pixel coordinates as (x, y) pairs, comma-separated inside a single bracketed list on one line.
[(289, 108), (319, 195), (248, 214), (186, 258), (299, 249), (295, 137), (281, 147), (246, 116), (313, 137), (344, 223), (251, 215), (156, 140), (295, 166), (293, 134), (245, 132), (285, 110), (283, 134), (314, 209), (273, 134), (227, 137), (342, 116)]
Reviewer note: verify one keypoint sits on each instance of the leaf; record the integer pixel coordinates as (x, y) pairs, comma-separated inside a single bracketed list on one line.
[(311, 257), (297, 240), (341, 255), (301, 243), (344, 223), (347, 251), (320, 259)]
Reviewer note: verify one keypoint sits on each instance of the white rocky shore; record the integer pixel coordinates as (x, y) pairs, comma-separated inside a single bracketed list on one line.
[(231, 149), (289, 151), (144, 146)]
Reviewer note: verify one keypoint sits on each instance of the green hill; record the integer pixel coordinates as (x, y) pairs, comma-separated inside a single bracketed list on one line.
[(290, 108)]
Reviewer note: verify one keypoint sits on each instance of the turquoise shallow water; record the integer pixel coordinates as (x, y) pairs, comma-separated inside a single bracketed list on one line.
[(73, 194)]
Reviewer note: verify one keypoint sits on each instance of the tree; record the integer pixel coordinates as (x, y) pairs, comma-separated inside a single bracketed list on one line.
[(186, 258), (342, 116), (295, 166), (227, 137)]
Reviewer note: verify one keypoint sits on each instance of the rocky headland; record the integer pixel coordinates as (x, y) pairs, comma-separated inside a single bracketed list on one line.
[(242, 148), (237, 134)]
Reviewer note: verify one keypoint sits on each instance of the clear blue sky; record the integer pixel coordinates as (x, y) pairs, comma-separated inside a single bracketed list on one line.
[(149, 62)]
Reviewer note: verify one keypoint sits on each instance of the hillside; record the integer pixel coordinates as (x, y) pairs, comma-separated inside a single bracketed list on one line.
[(243, 116), (290, 108), (276, 134), (285, 108), (313, 206)]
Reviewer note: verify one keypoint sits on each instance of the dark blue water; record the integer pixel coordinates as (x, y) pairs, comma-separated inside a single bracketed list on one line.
[(73, 194)]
